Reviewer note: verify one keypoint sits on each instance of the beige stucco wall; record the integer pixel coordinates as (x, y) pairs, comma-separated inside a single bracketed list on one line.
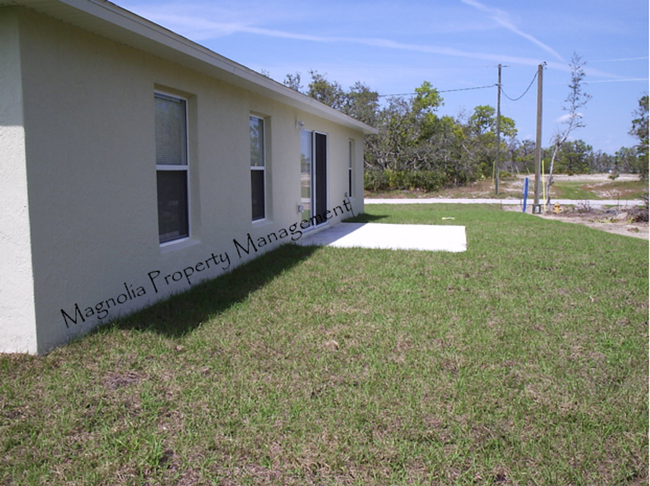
[(90, 166), (17, 319)]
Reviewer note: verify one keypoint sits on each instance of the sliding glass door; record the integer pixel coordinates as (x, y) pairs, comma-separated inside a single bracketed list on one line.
[(313, 176)]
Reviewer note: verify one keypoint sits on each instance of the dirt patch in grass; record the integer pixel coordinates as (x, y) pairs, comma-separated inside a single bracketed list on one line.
[(620, 221), (117, 380), (592, 177), (616, 189)]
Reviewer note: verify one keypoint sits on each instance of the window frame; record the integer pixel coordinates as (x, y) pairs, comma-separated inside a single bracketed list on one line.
[(350, 168), (177, 168), (259, 168)]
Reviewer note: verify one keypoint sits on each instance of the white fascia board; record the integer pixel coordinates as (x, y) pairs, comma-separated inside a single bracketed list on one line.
[(111, 21)]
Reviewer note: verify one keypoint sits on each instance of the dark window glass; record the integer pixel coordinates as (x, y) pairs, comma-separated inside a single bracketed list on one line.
[(320, 172), (350, 165), (172, 205), (257, 192), (350, 183)]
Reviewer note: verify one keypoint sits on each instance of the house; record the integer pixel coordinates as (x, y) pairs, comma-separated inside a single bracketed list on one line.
[(136, 163)]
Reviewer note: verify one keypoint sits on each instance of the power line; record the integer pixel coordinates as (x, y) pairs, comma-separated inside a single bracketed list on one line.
[(467, 89), (517, 99), (444, 91)]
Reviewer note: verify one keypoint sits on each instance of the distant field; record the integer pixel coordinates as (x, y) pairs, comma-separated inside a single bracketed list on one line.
[(579, 187), (523, 360), (567, 189)]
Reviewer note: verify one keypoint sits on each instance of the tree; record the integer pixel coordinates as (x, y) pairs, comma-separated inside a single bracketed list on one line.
[(602, 162), (623, 160), (405, 129), (640, 123), (640, 131), (574, 157), (395, 134), (575, 101), (483, 120), (362, 103), (329, 93), (522, 156), (293, 82), (480, 136)]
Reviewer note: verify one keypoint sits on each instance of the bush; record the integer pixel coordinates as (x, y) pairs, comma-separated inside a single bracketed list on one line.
[(375, 180), (640, 214), (385, 180)]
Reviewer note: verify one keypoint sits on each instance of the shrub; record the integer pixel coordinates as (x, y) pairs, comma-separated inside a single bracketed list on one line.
[(385, 180)]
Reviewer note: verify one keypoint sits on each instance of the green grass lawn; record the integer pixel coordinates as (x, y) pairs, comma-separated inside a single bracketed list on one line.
[(521, 361)]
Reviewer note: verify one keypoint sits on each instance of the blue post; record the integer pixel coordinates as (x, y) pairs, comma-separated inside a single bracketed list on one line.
[(525, 192)]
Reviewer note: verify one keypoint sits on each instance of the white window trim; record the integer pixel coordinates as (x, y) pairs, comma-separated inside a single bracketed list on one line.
[(260, 221), (185, 168)]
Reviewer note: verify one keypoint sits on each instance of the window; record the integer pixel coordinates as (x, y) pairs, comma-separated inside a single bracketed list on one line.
[(350, 165), (171, 167), (258, 168)]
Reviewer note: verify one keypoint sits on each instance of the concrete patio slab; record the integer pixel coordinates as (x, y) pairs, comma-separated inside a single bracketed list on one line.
[(423, 237)]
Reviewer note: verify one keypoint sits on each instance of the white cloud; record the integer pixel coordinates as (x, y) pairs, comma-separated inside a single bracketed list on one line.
[(621, 59), (503, 18), (199, 27), (618, 80), (567, 118)]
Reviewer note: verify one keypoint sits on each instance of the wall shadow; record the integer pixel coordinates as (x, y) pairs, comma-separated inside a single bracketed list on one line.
[(365, 218), (183, 312)]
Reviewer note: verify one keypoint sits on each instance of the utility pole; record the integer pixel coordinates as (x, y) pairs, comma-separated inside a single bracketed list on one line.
[(496, 160), (537, 208)]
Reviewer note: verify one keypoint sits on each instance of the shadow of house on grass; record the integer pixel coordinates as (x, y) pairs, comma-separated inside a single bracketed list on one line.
[(182, 313), (365, 218)]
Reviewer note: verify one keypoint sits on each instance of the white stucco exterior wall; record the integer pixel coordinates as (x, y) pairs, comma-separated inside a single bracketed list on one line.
[(17, 324), (87, 161)]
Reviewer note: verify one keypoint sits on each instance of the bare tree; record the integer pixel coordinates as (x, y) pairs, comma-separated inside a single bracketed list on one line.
[(293, 81), (576, 100)]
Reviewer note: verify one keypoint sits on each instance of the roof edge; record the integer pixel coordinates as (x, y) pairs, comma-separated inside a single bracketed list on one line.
[(116, 23)]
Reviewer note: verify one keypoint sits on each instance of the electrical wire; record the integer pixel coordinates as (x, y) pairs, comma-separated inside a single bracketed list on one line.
[(467, 89), (444, 91), (517, 99)]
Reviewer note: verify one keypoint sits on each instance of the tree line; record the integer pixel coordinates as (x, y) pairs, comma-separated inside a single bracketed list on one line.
[(418, 149)]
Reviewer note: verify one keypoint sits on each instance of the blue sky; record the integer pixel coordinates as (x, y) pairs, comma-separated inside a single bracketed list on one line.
[(394, 46)]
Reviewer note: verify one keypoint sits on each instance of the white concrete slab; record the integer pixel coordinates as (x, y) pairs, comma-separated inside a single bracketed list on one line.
[(423, 237)]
